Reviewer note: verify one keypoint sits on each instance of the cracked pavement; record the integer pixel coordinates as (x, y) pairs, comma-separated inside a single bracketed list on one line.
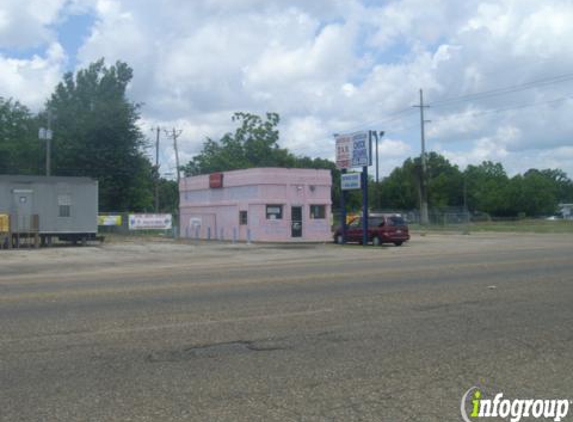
[(162, 331)]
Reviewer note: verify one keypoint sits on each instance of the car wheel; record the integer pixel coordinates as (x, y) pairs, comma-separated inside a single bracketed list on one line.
[(339, 239), (376, 241), (398, 243)]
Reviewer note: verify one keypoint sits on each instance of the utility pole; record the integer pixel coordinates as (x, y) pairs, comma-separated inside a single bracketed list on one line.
[(157, 132), (423, 191), (377, 136), (174, 134), (46, 135)]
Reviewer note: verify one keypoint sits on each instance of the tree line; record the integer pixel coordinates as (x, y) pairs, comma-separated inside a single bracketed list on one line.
[(96, 134), (484, 188)]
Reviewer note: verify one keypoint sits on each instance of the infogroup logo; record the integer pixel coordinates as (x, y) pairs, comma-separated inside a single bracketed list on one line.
[(474, 406)]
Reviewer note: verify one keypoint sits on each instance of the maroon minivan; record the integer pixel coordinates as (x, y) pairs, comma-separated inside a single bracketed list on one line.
[(382, 228)]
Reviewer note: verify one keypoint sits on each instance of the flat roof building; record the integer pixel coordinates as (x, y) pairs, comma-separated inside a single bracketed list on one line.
[(259, 205)]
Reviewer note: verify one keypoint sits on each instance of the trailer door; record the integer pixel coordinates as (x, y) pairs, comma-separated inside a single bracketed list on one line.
[(23, 206)]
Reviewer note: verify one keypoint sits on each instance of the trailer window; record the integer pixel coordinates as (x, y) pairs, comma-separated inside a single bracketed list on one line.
[(64, 211)]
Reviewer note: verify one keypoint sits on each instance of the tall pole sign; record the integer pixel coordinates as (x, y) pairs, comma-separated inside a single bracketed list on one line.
[(355, 150)]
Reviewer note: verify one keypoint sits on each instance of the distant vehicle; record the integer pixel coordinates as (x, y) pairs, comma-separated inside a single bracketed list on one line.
[(382, 228)]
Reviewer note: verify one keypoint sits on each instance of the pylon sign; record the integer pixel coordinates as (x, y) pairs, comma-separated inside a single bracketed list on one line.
[(350, 181), (353, 150)]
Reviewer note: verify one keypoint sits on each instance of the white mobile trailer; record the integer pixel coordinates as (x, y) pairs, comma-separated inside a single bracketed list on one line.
[(66, 207)]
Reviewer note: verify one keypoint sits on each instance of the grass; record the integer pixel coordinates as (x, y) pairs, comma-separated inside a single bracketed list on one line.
[(519, 226)]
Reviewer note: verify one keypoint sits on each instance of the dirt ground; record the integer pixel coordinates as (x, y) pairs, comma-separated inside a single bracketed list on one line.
[(141, 253)]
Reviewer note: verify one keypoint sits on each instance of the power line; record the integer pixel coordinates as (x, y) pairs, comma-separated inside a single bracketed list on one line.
[(504, 91), (500, 110), (396, 115)]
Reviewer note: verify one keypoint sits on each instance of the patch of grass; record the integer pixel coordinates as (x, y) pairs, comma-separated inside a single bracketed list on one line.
[(520, 226)]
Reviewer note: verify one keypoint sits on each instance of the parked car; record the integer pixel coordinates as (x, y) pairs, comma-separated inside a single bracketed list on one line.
[(382, 228)]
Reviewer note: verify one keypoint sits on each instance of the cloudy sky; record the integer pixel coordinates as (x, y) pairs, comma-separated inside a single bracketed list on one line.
[(497, 74)]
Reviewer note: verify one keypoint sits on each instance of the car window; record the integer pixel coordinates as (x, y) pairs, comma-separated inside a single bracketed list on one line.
[(396, 221), (376, 222)]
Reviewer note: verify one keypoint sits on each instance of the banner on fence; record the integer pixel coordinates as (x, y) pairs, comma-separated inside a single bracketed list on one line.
[(150, 221), (109, 220)]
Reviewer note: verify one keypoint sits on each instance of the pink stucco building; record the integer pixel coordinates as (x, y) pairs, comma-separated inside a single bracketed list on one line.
[(260, 205)]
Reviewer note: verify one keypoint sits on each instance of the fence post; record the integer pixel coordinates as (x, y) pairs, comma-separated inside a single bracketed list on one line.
[(209, 233), (234, 235)]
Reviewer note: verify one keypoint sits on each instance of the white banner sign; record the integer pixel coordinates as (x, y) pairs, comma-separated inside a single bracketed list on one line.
[(150, 221), (350, 181), (353, 150)]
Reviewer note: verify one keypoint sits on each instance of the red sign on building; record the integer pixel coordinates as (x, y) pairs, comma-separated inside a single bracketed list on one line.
[(216, 180)]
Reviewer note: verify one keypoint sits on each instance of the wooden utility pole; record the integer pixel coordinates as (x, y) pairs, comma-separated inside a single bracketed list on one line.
[(423, 191), (45, 134), (174, 134), (157, 132)]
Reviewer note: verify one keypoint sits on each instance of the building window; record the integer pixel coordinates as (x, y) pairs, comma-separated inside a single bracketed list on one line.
[(65, 205), (64, 211), (318, 211), (243, 220), (274, 212)]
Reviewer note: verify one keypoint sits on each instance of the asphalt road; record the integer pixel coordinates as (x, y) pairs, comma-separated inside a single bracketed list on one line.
[(261, 333)]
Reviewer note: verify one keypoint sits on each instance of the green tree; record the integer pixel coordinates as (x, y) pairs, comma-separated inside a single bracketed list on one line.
[(488, 189), (536, 193), (563, 184), (96, 135), (253, 144), (168, 196), (400, 189), (20, 150)]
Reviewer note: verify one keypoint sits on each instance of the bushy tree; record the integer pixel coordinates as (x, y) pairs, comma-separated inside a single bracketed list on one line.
[(96, 135), (253, 144), (20, 150), (400, 189), (535, 193), (488, 189)]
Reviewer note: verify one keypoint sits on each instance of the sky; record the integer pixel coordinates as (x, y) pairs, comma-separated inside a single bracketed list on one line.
[(497, 75)]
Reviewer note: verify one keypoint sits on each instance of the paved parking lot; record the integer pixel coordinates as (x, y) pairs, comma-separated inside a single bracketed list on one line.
[(165, 331)]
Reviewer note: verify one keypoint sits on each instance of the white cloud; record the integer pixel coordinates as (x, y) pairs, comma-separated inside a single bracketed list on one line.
[(326, 66), (307, 136), (27, 24), (31, 81)]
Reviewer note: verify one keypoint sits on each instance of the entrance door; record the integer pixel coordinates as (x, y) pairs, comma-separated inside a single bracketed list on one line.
[(296, 221), (23, 207)]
